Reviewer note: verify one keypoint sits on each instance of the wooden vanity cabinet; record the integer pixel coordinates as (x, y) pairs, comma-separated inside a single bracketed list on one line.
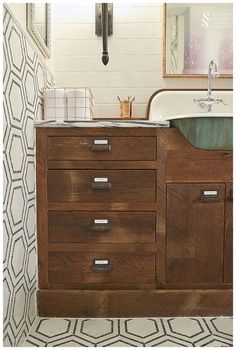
[(125, 225), (195, 233)]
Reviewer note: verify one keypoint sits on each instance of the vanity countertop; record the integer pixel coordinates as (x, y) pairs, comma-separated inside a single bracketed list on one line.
[(98, 123)]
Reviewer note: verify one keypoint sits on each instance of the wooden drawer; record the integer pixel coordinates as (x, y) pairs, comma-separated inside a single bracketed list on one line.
[(101, 148), (123, 267), (120, 186), (101, 227)]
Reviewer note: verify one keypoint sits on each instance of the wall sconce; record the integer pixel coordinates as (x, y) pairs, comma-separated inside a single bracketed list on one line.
[(104, 26)]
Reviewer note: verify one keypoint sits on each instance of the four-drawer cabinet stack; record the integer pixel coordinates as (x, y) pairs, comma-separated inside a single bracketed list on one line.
[(98, 207), (110, 240)]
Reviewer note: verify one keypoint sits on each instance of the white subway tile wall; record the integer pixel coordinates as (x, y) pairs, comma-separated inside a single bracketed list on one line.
[(135, 50)]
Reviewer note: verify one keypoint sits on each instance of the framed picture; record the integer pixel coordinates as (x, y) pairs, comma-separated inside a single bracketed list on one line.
[(194, 34), (39, 25)]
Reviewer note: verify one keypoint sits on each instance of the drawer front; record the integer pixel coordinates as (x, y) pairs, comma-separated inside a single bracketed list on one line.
[(101, 185), (101, 148), (101, 267), (101, 227)]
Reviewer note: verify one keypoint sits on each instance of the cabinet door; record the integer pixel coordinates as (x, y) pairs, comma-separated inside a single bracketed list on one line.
[(195, 233), (228, 247)]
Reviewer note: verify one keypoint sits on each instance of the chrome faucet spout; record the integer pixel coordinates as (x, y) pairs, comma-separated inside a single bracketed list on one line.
[(212, 74), (209, 100)]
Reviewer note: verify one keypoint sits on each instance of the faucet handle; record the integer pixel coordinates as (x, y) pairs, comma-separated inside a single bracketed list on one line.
[(200, 102), (222, 101)]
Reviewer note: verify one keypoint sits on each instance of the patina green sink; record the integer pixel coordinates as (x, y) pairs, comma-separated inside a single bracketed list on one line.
[(213, 132)]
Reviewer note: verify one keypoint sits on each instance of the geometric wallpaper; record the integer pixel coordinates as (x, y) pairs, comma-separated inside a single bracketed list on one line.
[(24, 77)]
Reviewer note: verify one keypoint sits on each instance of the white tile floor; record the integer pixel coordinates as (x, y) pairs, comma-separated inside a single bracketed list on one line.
[(163, 332)]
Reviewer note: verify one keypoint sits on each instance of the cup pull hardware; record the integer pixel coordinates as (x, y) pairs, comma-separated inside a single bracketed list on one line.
[(101, 265), (101, 145), (101, 225), (100, 183), (210, 196)]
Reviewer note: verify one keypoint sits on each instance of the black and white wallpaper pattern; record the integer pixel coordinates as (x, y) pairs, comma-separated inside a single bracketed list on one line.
[(24, 77)]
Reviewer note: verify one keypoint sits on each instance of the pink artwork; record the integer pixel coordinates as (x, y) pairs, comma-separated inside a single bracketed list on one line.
[(207, 33)]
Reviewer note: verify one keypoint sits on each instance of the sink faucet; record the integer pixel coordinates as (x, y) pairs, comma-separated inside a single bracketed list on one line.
[(209, 100), (212, 74)]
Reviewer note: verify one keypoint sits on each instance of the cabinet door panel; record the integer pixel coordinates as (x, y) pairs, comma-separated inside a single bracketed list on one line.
[(195, 234), (228, 247)]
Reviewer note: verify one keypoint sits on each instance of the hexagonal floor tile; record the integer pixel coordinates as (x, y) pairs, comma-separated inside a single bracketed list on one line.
[(223, 325), (77, 338), (119, 341), (213, 341), (96, 328), (141, 327), (53, 327), (187, 327), (70, 341), (168, 342)]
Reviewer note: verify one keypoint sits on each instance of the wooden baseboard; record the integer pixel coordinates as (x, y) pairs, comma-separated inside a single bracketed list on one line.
[(134, 303)]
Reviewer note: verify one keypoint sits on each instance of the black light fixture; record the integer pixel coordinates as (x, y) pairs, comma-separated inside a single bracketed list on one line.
[(104, 26)]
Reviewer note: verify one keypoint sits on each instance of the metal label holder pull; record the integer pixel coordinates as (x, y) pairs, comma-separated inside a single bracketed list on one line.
[(101, 265), (210, 196), (101, 145), (101, 183), (101, 225)]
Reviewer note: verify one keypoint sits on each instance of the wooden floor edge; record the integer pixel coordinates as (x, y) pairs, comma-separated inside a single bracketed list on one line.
[(138, 303)]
